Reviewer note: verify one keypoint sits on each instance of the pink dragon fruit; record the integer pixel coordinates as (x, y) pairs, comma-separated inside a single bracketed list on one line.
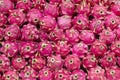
[(112, 73), (46, 74), (18, 62), (96, 73), (12, 32), (90, 61), (28, 73), (112, 21), (62, 48), (54, 62), (116, 8), (5, 6), (62, 74), (27, 49), (80, 22), (118, 61), (93, 2), (98, 48), (96, 25), (29, 33), (45, 48), (47, 23), (108, 60), (117, 31), (64, 22), (51, 9), (87, 36), (43, 35), (10, 49), (78, 75), (72, 62), (3, 20), (80, 49), (1, 33), (34, 16), (10, 75), (4, 63), (67, 7), (107, 36), (72, 35), (37, 62), (16, 16), (24, 4), (56, 2), (76, 1)]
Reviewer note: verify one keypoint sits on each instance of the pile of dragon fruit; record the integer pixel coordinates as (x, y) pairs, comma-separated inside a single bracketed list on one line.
[(59, 39)]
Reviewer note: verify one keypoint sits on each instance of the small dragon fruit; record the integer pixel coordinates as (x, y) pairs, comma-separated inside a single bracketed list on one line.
[(29, 33), (24, 4), (27, 49), (72, 62), (10, 75), (46, 74), (80, 49), (98, 48), (45, 48), (48, 23), (5, 6), (80, 22), (4, 63), (34, 15), (54, 62), (16, 16), (10, 49), (78, 75), (3, 20), (116, 8), (18, 62), (96, 73), (90, 61), (64, 22), (107, 36), (28, 73), (1, 33), (87, 36), (12, 32)]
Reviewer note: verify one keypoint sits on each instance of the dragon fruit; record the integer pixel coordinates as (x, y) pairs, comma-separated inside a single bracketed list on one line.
[(4, 63), (27, 49), (16, 16), (43, 35), (3, 20), (12, 32), (80, 49), (34, 16), (72, 62), (9, 48), (1, 33), (29, 33), (46, 74), (116, 8), (118, 61), (78, 75)]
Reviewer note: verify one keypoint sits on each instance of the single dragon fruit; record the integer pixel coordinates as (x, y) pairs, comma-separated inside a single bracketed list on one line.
[(3, 20)]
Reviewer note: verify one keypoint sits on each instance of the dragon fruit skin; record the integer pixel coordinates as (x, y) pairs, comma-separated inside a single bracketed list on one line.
[(43, 35), (87, 36), (116, 8), (54, 62), (80, 22), (27, 49), (9, 48), (1, 33), (12, 32), (90, 61), (8, 6), (80, 49), (29, 33), (98, 48), (3, 20), (45, 48), (64, 22), (10, 75), (24, 4), (34, 16), (18, 62), (72, 62), (55, 2), (16, 16), (76, 1), (4, 63), (118, 61), (78, 75), (46, 74)]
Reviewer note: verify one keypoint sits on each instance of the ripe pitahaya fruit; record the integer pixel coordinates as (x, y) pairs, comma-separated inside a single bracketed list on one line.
[(29, 33), (1, 33), (116, 8), (3, 20), (12, 32)]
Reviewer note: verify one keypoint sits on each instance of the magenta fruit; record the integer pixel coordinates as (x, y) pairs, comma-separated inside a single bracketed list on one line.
[(3, 20)]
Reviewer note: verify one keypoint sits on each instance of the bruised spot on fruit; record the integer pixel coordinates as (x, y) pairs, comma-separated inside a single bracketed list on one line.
[(79, 22), (71, 61), (18, 59), (75, 76), (113, 21), (112, 72), (109, 59), (60, 76), (24, 1), (9, 33), (45, 73), (28, 48), (52, 60)]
